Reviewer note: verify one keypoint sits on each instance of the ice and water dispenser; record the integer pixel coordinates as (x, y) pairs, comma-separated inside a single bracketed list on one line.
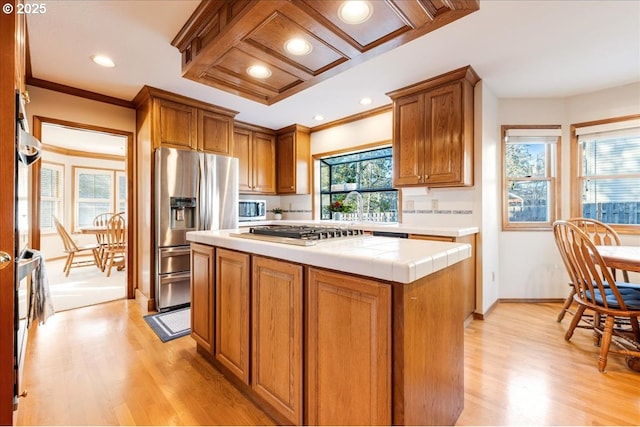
[(183, 213)]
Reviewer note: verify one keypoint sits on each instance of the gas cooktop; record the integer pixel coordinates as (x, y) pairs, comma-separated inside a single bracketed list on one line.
[(301, 235)]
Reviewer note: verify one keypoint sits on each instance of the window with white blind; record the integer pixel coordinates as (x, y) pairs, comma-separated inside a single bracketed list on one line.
[(121, 192), (529, 175), (606, 159), (94, 192), (51, 195)]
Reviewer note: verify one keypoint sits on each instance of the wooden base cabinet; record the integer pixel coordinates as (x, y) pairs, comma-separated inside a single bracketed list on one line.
[(202, 296), (276, 310), (232, 312), (348, 350)]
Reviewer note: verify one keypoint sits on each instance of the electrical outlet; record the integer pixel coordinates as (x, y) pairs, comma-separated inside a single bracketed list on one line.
[(434, 204), (409, 205)]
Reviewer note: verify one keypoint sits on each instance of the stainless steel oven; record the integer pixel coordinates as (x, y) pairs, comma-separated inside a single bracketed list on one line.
[(252, 210)]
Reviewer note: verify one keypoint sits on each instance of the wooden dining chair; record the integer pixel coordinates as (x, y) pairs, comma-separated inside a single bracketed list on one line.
[(600, 234), (72, 249), (100, 221), (116, 245), (596, 290)]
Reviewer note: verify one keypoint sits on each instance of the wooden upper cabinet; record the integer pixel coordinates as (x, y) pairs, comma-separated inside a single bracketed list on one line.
[(294, 160), (256, 152), (177, 124), (215, 132), (433, 131), (180, 122)]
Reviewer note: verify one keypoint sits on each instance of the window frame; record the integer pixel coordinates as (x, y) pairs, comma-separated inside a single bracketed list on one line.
[(552, 177), (60, 167), (317, 187), (576, 169), (113, 200)]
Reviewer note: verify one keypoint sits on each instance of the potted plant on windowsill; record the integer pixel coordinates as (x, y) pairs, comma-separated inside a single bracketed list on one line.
[(277, 213), (336, 208)]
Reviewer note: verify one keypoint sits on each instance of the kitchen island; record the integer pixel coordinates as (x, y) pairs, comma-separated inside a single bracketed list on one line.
[(365, 330)]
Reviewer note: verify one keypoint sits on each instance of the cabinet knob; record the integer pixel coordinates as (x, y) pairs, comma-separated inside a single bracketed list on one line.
[(291, 187)]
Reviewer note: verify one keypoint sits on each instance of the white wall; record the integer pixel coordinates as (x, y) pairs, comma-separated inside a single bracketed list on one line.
[(530, 266), (487, 198)]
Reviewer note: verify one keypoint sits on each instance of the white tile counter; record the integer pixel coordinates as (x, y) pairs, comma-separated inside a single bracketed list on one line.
[(377, 226), (396, 260)]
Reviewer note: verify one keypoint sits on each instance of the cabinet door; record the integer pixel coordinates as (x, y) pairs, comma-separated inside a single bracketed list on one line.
[(214, 132), (286, 178), (264, 163), (444, 146), (177, 124), (408, 141), (348, 350), (276, 370), (202, 295), (293, 163), (242, 150), (232, 312)]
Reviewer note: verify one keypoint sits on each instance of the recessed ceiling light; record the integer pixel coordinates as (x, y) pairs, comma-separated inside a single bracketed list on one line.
[(103, 61), (355, 11), (259, 71), (298, 47), (365, 101), (318, 117)]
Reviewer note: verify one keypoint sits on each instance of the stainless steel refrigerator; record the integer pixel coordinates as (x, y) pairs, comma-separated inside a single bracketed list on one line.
[(193, 191)]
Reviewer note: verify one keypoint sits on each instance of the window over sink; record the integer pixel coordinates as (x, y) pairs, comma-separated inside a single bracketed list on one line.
[(370, 173)]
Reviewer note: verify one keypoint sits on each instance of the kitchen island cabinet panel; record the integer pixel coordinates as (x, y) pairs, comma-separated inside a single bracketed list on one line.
[(232, 312), (202, 296), (348, 350), (428, 350), (468, 274), (276, 371)]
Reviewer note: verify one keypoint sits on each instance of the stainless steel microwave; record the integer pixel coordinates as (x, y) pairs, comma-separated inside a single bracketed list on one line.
[(252, 210)]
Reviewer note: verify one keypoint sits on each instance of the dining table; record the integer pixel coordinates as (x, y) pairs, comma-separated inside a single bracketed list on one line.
[(621, 257)]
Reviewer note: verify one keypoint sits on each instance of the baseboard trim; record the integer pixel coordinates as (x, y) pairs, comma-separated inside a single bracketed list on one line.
[(482, 316)]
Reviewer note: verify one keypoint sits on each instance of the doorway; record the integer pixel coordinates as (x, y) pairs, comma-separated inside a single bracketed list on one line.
[(84, 171)]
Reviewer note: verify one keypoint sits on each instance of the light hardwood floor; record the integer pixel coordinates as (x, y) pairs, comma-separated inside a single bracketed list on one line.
[(102, 365)]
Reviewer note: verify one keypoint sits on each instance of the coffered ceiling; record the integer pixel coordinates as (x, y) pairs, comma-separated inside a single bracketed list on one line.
[(520, 49), (223, 40)]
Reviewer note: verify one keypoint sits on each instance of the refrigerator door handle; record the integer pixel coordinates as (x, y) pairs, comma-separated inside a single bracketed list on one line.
[(205, 221)]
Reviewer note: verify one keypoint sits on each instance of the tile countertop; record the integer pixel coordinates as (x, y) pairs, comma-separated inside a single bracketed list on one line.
[(377, 226), (384, 258)]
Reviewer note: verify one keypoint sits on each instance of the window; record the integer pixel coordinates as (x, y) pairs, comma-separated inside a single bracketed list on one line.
[(121, 191), (530, 171), (606, 161), (95, 193), (51, 193), (371, 174)]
